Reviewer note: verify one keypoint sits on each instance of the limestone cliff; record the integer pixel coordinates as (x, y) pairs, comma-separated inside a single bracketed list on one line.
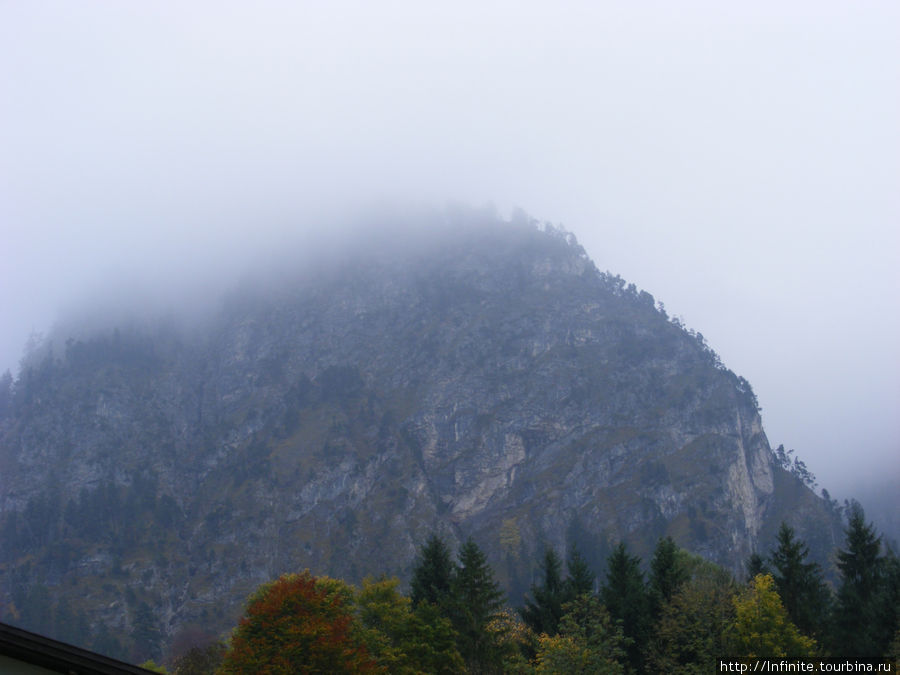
[(486, 380)]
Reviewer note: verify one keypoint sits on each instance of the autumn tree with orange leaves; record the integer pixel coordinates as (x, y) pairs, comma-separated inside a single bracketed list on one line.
[(297, 624)]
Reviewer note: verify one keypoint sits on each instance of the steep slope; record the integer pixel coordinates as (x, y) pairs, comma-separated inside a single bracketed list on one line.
[(484, 380)]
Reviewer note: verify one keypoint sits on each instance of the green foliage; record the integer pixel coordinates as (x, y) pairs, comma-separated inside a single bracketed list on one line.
[(865, 613), (890, 603), (432, 574), (761, 627), (668, 572), (588, 641), (626, 598), (542, 614), (517, 642), (799, 583), (581, 579), (431, 642), (566, 654), (690, 632), (893, 652), (200, 660), (476, 601), (690, 613), (401, 639), (756, 564)]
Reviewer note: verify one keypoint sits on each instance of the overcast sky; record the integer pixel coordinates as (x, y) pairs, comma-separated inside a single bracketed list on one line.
[(738, 160)]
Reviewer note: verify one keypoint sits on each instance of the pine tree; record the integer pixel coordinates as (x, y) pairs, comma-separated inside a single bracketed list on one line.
[(581, 579), (755, 566), (476, 601), (667, 574), (543, 613), (799, 583), (626, 599), (432, 575), (890, 605), (857, 629)]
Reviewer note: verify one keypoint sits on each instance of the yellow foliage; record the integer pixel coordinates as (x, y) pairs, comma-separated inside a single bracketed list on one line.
[(761, 627)]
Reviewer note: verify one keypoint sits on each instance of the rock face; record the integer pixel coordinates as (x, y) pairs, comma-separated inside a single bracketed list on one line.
[(485, 380)]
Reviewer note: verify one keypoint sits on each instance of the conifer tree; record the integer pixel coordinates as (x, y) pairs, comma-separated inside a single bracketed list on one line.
[(581, 579), (755, 566), (542, 614), (432, 575), (667, 573), (862, 625), (626, 599), (890, 606), (799, 583), (476, 601)]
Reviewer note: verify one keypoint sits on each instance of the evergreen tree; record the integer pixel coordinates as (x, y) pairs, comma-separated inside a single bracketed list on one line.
[(626, 599), (580, 580), (890, 614), (858, 629), (893, 652), (667, 574), (476, 601), (755, 566), (543, 613), (432, 575), (799, 583)]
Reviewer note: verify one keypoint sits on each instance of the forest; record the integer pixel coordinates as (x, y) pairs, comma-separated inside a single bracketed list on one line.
[(679, 614)]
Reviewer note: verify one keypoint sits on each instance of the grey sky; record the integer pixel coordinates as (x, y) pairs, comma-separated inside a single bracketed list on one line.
[(740, 161)]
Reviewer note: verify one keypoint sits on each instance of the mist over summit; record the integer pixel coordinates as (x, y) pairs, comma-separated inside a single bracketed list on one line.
[(477, 377)]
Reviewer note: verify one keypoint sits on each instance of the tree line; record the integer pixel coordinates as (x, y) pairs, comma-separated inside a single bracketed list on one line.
[(679, 615)]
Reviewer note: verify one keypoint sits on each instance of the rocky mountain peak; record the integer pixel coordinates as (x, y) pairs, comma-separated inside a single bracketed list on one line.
[(482, 379)]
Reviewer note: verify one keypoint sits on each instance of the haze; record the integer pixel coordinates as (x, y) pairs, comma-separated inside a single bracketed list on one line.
[(739, 161)]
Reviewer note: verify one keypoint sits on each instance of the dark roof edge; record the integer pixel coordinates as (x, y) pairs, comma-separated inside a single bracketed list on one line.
[(40, 650)]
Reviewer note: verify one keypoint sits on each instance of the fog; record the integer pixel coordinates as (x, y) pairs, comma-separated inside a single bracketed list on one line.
[(739, 161)]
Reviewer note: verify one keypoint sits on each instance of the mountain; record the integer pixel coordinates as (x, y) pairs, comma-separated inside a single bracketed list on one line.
[(476, 378)]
